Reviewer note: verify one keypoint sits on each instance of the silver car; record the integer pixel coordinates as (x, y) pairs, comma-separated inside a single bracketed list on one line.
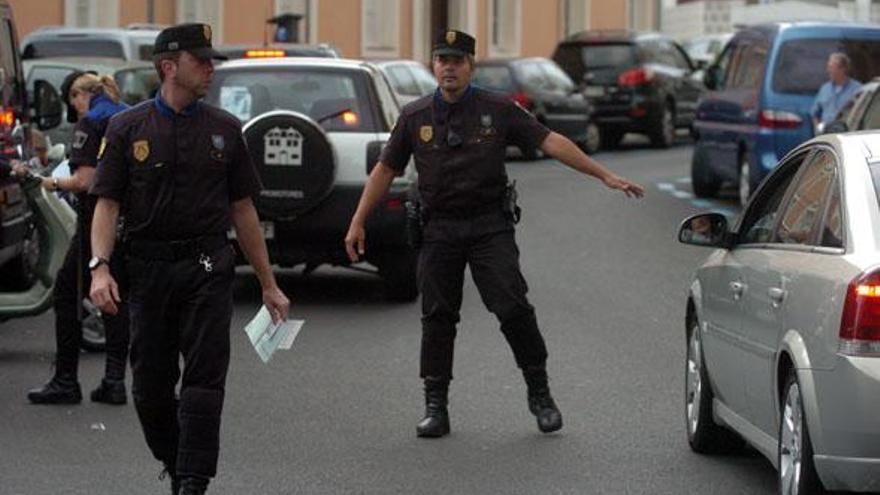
[(783, 320)]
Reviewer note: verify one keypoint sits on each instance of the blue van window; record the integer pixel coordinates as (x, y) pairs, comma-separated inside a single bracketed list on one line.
[(749, 69), (792, 75)]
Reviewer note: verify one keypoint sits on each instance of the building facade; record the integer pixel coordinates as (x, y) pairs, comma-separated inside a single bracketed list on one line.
[(362, 28), (685, 19)]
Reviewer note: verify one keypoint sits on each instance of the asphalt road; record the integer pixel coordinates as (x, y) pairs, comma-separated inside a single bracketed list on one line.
[(337, 414)]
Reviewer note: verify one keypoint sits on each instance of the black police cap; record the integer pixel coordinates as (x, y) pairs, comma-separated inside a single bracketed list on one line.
[(194, 38), (453, 42)]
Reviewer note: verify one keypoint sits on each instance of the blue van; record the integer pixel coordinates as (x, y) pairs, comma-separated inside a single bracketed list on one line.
[(761, 89)]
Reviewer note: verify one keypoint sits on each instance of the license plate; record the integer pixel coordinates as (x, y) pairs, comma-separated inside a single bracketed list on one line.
[(594, 91)]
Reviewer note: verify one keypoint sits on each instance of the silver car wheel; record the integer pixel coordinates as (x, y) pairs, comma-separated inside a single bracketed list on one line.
[(594, 140), (693, 381), (791, 441), (745, 181), (668, 127)]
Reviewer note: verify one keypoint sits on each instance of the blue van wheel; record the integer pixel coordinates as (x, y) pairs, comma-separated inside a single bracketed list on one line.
[(746, 182), (703, 180)]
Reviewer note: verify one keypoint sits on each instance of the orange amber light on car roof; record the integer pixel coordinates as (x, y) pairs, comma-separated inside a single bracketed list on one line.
[(264, 53), (350, 118), (7, 118)]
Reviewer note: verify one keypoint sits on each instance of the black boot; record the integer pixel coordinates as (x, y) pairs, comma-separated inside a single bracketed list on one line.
[(61, 389), (541, 404), (193, 485), (436, 421), (110, 392), (175, 481)]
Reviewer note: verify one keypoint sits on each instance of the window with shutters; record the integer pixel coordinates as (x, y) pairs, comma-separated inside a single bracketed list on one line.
[(574, 16), (205, 11), (380, 28), (505, 17), (91, 13)]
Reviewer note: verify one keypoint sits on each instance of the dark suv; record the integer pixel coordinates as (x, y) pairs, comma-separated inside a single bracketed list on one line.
[(637, 82), (19, 239)]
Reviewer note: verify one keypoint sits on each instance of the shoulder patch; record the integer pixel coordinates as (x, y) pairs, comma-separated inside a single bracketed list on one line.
[(79, 139), (102, 147)]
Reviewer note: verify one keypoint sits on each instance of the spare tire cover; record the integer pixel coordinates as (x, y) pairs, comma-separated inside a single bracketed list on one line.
[(295, 162)]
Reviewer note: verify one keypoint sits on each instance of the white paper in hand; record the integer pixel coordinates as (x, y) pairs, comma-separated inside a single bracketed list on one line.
[(267, 337)]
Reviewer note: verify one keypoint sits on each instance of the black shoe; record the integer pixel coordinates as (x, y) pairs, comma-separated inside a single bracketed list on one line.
[(436, 421), (110, 392), (57, 391), (192, 485), (541, 403), (545, 410), (175, 481)]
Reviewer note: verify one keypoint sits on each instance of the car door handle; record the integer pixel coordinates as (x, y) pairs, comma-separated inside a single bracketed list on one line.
[(737, 288), (777, 295)]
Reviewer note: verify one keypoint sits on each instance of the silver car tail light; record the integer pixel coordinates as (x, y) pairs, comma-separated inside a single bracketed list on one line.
[(860, 323)]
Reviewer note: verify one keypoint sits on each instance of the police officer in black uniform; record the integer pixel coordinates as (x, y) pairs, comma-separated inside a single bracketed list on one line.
[(181, 173), (458, 137), (91, 101)]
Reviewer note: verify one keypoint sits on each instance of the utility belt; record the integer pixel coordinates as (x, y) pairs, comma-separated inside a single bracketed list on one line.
[(176, 250), (417, 215)]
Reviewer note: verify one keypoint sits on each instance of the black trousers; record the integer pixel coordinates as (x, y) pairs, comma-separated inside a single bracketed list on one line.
[(178, 308), (485, 243), (71, 285)]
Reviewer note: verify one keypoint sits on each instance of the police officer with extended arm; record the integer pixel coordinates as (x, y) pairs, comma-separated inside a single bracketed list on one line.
[(179, 170), (91, 101), (458, 138)]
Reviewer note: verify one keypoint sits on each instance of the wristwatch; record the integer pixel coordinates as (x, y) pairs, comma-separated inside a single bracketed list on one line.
[(55, 183), (97, 261)]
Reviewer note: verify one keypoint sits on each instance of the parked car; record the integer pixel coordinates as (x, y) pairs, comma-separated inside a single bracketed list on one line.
[(132, 43), (276, 50), (538, 85), (137, 80), (636, 82), (409, 79), (19, 233), (783, 320), (315, 128), (861, 113), (762, 88), (704, 49)]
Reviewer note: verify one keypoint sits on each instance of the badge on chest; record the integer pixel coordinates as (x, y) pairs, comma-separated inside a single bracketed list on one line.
[(486, 127), (141, 150), (426, 133), (218, 144)]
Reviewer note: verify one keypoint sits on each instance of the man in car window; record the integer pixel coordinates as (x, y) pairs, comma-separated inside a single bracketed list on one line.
[(458, 137), (835, 93)]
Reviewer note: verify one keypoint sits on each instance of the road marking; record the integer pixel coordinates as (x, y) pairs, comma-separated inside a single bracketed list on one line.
[(682, 195), (673, 189)]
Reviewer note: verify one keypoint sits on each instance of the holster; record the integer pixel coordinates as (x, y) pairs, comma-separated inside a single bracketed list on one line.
[(414, 224), (511, 209)]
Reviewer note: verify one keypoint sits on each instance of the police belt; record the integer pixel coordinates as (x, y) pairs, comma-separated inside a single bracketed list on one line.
[(174, 250), (461, 213)]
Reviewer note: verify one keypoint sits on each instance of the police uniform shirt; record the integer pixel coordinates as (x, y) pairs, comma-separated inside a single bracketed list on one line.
[(459, 148), (175, 173), (87, 135)]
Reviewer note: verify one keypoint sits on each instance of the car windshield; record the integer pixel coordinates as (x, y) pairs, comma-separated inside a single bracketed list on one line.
[(793, 76), (318, 93), (543, 76), (494, 78), (599, 56), (136, 85), (73, 48)]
